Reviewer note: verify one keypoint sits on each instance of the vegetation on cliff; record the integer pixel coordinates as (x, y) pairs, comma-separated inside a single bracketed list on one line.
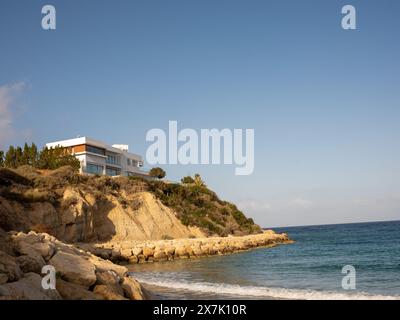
[(199, 206), (157, 172), (77, 207), (46, 158)]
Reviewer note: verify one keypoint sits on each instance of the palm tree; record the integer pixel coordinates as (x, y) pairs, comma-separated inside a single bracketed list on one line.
[(198, 181)]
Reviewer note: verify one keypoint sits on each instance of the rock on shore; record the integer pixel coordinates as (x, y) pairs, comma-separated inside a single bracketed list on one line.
[(107, 221), (80, 274), (83, 275), (151, 251)]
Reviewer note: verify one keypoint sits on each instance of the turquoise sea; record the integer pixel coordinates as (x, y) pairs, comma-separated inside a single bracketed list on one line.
[(311, 268)]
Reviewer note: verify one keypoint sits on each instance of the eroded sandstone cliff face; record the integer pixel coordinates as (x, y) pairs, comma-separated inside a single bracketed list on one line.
[(80, 215), (87, 218), (76, 208), (79, 224)]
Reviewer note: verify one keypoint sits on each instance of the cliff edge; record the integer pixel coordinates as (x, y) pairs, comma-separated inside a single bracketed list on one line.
[(83, 225), (77, 208)]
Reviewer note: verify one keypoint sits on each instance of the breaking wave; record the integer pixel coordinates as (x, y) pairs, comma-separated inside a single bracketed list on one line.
[(254, 291)]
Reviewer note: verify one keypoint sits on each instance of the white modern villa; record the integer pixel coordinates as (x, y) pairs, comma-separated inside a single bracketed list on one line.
[(96, 157)]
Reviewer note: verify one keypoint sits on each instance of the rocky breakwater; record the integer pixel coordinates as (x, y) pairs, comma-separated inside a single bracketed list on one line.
[(80, 275), (151, 251)]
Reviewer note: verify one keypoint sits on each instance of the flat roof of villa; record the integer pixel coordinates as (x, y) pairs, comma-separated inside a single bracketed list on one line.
[(91, 142)]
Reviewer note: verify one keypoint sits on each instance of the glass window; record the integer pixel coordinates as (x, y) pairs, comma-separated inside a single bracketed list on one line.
[(95, 150), (112, 172), (111, 159), (94, 169), (129, 162)]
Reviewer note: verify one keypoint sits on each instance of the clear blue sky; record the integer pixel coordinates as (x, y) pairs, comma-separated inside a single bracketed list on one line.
[(324, 102)]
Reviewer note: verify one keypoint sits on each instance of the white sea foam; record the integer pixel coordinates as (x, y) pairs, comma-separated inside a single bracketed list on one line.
[(254, 291)]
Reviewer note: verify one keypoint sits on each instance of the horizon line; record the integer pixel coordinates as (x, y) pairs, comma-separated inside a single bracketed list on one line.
[(329, 224)]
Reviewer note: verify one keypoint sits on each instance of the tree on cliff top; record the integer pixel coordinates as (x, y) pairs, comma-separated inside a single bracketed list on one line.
[(46, 159), (157, 172), (57, 157), (1, 158), (30, 154), (197, 181), (16, 156), (10, 159)]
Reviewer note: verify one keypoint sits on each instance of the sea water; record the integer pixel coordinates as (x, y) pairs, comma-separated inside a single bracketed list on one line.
[(310, 268)]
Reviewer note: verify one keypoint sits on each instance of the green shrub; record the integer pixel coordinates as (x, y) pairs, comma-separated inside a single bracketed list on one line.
[(157, 172), (51, 159), (197, 205), (187, 180)]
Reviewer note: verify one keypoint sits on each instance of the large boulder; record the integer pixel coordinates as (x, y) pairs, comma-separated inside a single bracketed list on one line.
[(169, 250), (74, 268), (133, 260), (180, 252), (28, 288), (3, 278), (148, 252), (107, 293), (159, 254), (197, 250), (110, 279), (133, 290), (9, 268), (45, 249), (106, 265), (189, 250), (126, 253), (137, 250), (72, 291), (31, 263), (6, 244), (32, 254)]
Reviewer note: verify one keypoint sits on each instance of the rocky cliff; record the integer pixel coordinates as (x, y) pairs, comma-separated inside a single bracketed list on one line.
[(83, 225), (80, 274), (77, 208)]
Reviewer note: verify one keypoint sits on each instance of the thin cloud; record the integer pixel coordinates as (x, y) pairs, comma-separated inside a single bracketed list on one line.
[(301, 203)]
